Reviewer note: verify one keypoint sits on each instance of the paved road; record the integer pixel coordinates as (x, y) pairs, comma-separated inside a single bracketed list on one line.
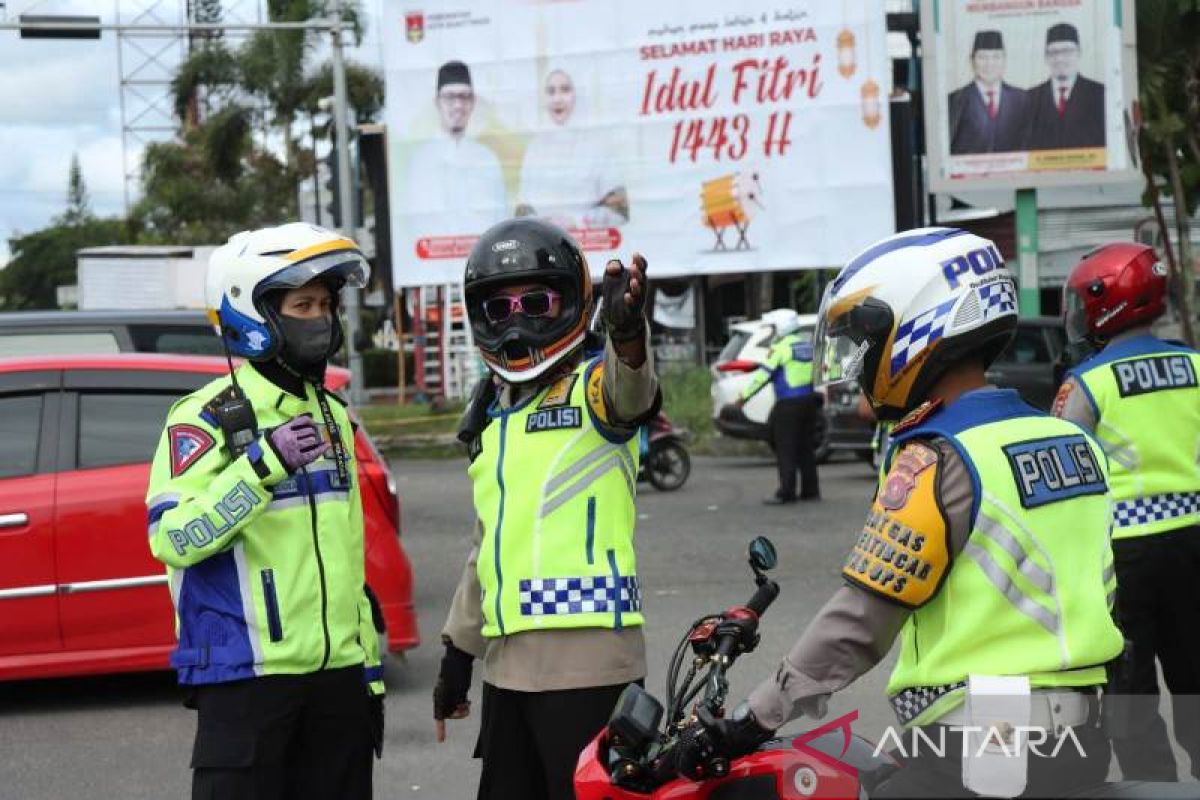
[(128, 737)]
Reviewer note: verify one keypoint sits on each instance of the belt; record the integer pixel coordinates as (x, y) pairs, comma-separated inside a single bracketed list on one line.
[(1050, 709)]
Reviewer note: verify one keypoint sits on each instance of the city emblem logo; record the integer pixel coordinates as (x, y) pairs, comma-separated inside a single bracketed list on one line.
[(414, 25)]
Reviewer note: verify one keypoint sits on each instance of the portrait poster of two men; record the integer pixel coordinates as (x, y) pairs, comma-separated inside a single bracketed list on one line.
[(1030, 88)]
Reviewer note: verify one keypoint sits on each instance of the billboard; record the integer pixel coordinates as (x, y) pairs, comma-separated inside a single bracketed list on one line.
[(1029, 93), (713, 137)]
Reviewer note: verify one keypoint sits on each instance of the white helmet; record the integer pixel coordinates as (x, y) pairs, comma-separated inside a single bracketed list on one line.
[(252, 263), (907, 308), (784, 320)]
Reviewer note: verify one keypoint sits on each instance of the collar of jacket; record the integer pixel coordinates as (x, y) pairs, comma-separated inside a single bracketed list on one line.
[(263, 391)]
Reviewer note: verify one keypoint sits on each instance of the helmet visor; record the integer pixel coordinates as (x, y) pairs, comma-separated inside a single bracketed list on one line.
[(347, 266), (848, 345), (1075, 319)]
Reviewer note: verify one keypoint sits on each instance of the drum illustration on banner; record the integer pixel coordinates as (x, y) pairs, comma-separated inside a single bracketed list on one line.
[(729, 202)]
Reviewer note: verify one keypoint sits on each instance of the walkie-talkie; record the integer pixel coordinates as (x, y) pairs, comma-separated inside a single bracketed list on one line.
[(235, 416)]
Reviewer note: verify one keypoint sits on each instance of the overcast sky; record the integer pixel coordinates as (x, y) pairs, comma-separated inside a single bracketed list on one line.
[(59, 98)]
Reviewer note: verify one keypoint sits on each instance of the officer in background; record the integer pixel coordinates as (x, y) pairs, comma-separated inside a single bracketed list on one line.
[(1139, 395), (963, 554), (789, 370), (550, 597), (254, 506)]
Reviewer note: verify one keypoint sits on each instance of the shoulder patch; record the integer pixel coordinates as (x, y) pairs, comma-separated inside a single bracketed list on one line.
[(917, 416), (559, 393), (1060, 399), (595, 393), (913, 459), (903, 553), (209, 412), (188, 444), (802, 351), (1053, 469)]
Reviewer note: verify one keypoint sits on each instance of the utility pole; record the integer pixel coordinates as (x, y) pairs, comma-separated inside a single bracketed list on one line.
[(345, 196)]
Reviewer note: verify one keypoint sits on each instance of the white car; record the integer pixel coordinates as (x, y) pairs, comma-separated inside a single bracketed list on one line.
[(748, 345)]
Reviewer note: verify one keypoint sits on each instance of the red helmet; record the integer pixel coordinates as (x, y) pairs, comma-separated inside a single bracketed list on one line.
[(1113, 288)]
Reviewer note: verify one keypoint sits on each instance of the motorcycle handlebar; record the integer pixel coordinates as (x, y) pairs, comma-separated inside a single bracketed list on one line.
[(763, 597)]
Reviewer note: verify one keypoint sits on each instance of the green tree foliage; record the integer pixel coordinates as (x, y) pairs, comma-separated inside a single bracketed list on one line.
[(77, 195), (227, 171), (44, 260), (1169, 96)]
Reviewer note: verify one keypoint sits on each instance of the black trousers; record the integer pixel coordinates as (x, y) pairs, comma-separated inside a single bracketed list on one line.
[(283, 737), (1068, 773), (530, 741), (1158, 609), (793, 425)]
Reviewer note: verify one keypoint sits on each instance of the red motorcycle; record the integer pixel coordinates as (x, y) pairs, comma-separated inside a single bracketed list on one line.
[(631, 759)]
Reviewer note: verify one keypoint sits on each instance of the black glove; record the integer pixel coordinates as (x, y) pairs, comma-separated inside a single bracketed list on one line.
[(375, 710), (728, 738), (623, 320), (453, 683)]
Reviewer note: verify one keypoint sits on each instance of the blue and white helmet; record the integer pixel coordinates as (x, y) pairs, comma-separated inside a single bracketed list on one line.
[(252, 263), (907, 308)]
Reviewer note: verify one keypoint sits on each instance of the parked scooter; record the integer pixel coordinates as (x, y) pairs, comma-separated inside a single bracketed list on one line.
[(665, 460), (631, 759)]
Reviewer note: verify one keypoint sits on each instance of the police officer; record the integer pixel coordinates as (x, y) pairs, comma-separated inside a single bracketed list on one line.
[(789, 370), (1139, 395), (550, 597), (964, 554), (254, 507)]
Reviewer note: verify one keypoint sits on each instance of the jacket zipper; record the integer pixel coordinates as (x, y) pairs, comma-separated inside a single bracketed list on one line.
[(312, 509), (271, 600)]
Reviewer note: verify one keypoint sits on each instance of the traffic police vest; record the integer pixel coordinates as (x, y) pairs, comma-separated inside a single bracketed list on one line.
[(788, 367), (266, 568), (1146, 399), (1031, 592), (554, 489)]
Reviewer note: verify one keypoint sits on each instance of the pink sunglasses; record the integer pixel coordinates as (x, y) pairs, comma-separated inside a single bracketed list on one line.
[(537, 303)]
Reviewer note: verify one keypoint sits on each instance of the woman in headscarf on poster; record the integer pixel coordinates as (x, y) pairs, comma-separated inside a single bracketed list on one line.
[(569, 176)]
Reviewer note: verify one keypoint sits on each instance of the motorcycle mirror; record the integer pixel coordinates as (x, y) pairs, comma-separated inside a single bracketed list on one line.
[(762, 554)]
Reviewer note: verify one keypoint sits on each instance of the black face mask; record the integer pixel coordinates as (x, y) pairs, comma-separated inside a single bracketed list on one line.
[(306, 343)]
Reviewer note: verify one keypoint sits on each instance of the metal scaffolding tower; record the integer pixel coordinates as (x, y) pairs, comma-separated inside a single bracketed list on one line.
[(148, 59)]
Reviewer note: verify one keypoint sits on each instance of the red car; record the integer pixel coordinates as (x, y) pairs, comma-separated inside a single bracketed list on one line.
[(79, 591)]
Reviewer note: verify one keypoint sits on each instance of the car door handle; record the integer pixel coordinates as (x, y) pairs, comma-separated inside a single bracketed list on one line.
[(18, 520)]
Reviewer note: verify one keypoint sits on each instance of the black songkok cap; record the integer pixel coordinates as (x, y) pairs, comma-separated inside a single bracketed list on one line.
[(987, 40), (1062, 32), (453, 72)]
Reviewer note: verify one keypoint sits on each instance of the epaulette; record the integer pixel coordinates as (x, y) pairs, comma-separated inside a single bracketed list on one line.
[(918, 415), (209, 412)]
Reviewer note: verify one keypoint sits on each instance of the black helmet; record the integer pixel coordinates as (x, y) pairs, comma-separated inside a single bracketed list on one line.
[(527, 250)]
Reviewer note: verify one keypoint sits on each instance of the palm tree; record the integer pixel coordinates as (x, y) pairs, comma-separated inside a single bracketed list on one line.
[(237, 106)]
